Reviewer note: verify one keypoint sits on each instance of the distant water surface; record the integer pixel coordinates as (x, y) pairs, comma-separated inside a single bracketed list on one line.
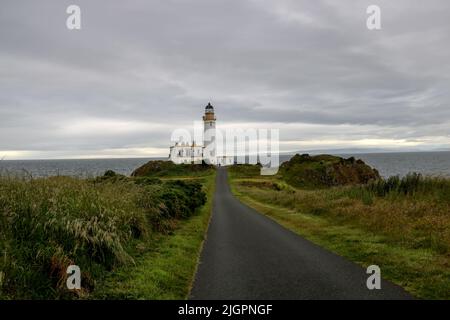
[(388, 164), (71, 167)]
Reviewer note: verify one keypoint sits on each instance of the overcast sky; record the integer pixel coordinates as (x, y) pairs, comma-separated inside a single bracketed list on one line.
[(139, 69)]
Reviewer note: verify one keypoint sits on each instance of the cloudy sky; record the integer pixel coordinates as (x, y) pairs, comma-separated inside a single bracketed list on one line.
[(139, 69)]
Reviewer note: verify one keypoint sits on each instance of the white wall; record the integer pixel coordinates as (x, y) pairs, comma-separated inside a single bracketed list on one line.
[(186, 154)]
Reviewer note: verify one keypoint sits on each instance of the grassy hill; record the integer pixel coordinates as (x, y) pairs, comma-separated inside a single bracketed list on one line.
[(325, 171), (305, 171), (161, 168)]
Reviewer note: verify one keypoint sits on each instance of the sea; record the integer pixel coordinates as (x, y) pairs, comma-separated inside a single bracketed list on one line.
[(388, 164)]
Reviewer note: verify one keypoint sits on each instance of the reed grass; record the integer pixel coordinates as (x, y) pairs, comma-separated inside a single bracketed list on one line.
[(48, 224)]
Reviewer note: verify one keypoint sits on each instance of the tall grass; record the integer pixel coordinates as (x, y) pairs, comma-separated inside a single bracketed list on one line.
[(411, 185), (400, 224), (48, 224), (413, 211)]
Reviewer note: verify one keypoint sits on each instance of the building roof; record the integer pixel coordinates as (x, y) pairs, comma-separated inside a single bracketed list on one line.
[(209, 107)]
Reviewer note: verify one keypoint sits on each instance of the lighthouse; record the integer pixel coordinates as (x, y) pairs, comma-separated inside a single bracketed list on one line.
[(209, 134), (191, 153)]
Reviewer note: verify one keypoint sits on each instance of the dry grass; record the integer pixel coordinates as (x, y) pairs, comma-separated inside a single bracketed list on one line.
[(408, 218), (416, 220)]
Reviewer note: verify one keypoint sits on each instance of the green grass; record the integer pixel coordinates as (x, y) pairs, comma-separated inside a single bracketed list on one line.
[(167, 268), (405, 233), (161, 168), (101, 225)]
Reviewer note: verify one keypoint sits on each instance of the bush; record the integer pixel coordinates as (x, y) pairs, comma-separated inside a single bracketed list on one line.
[(171, 200)]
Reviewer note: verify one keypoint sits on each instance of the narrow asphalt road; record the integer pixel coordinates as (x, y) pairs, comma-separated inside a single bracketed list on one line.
[(248, 256)]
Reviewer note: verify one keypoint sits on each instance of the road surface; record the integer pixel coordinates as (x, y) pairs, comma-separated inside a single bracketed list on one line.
[(248, 256)]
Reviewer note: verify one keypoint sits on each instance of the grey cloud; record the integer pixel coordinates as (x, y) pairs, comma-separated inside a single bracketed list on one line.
[(293, 62)]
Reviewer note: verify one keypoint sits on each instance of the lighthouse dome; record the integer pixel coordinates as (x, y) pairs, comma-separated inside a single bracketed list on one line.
[(209, 108)]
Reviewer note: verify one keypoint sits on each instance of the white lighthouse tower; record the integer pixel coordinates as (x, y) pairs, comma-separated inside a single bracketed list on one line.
[(209, 135)]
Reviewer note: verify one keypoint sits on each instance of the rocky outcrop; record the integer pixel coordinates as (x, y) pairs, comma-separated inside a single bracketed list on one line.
[(325, 171)]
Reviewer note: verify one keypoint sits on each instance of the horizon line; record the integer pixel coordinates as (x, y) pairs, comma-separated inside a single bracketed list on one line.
[(286, 153)]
